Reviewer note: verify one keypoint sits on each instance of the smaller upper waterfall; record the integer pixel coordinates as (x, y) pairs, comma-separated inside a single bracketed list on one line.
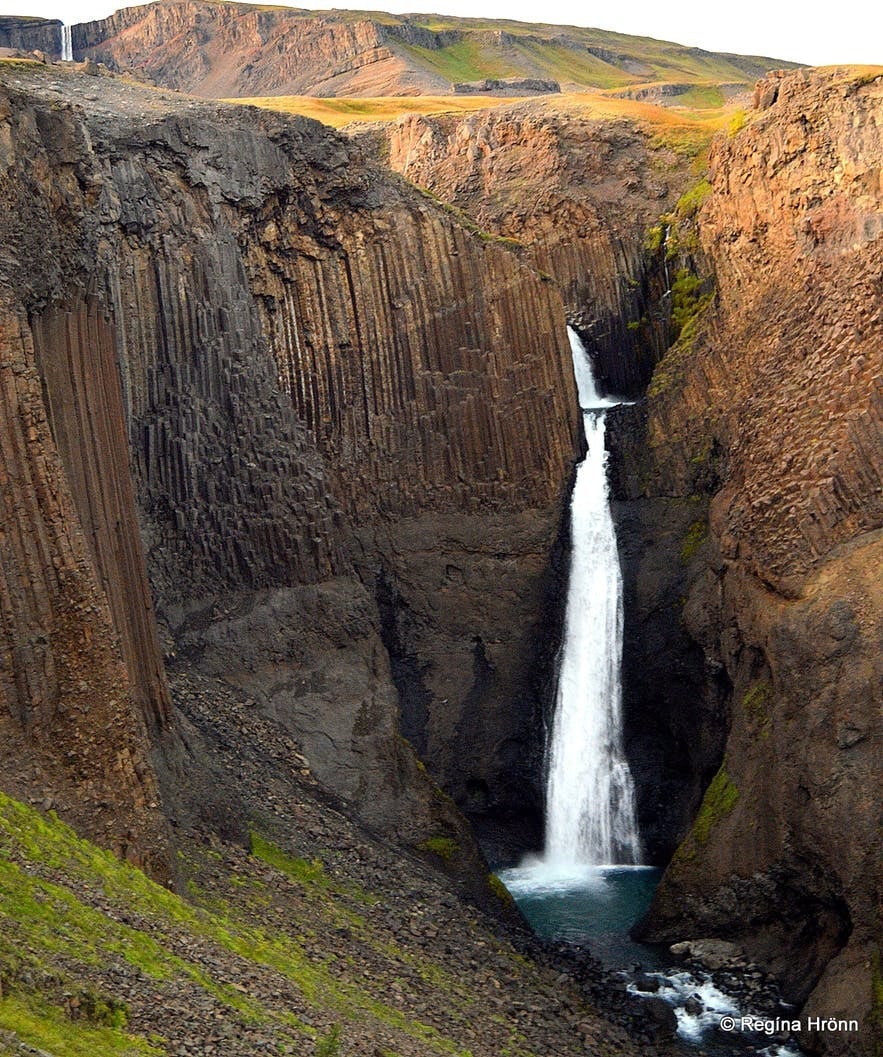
[(67, 50), (590, 814)]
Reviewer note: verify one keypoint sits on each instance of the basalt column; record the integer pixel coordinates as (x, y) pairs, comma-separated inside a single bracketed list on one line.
[(78, 685)]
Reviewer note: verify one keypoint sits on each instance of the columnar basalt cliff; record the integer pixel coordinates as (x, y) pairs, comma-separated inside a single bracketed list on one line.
[(577, 191), (305, 414), (775, 408)]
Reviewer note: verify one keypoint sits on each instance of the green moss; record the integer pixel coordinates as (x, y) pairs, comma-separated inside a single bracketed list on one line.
[(756, 702), (444, 847), (499, 889), (737, 123), (37, 1023), (690, 297), (300, 870), (720, 798), (696, 535), (691, 200), (329, 1045)]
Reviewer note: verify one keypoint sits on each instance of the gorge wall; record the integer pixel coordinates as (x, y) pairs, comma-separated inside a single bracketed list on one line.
[(578, 192), (746, 490), (771, 410), (246, 301)]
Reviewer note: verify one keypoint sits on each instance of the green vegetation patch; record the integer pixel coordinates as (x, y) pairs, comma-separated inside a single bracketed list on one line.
[(444, 847), (696, 535), (46, 1027), (690, 201), (756, 702), (690, 297), (463, 61), (720, 798), (500, 890), (300, 870), (702, 97)]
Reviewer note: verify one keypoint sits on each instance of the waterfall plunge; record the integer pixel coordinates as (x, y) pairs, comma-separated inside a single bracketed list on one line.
[(67, 51), (590, 814)]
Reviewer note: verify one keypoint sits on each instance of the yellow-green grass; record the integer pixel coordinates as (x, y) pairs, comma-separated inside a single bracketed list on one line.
[(341, 111), (69, 911)]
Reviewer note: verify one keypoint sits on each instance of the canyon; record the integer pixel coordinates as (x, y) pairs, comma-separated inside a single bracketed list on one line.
[(289, 428)]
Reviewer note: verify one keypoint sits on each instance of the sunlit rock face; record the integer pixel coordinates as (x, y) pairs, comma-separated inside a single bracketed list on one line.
[(778, 404)]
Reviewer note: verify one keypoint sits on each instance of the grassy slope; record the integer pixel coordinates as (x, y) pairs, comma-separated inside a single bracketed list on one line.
[(344, 110), (685, 129), (62, 902), (94, 956)]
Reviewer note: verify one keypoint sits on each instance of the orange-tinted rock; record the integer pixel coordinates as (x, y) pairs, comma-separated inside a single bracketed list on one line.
[(576, 192), (782, 393)]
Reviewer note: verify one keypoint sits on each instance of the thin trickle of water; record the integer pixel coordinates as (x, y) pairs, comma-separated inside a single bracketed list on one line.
[(67, 50), (590, 813)]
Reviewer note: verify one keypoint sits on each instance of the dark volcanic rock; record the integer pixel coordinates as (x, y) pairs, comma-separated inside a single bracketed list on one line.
[(31, 34), (507, 86), (321, 377)]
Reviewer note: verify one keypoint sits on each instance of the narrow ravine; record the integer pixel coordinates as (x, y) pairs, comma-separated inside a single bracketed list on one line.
[(589, 887)]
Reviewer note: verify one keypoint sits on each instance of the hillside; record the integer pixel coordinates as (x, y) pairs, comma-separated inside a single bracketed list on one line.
[(231, 50)]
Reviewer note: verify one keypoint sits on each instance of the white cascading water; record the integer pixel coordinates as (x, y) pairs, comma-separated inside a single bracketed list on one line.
[(67, 51), (590, 812)]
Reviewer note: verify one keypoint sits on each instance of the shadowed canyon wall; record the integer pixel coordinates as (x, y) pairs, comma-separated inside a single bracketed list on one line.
[(306, 413), (769, 418), (31, 34)]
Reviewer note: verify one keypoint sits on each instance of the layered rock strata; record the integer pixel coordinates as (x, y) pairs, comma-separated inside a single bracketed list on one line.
[(778, 407), (322, 379), (244, 50)]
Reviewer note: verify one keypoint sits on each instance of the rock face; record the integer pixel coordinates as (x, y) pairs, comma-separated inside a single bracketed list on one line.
[(228, 49), (322, 378), (778, 403), (578, 192), (31, 34), (222, 50), (507, 86)]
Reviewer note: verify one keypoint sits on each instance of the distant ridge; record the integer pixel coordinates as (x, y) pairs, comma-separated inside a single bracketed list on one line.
[(218, 49)]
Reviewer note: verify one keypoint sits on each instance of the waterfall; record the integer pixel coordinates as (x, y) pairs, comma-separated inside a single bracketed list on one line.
[(590, 814), (67, 50)]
